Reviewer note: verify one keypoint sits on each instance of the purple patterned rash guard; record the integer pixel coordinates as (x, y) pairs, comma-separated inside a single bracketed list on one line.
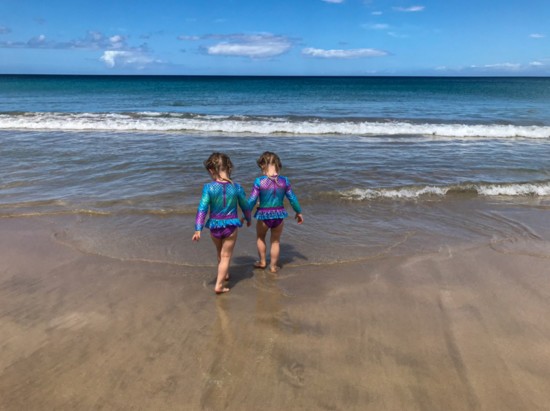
[(222, 199), (271, 192)]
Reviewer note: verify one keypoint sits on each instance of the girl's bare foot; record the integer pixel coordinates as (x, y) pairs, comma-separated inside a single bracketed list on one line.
[(259, 264), (221, 290), (274, 268)]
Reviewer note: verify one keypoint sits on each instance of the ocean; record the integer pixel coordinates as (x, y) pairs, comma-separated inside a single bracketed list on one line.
[(381, 165)]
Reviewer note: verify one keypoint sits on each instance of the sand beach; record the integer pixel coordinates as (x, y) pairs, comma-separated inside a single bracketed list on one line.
[(463, 328), (418, 281)]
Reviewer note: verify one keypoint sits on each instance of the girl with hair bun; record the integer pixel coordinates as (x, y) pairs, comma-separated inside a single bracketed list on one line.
[(270, 190), (221, 196)]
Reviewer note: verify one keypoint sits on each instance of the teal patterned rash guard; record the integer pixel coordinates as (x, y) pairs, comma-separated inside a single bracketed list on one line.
[(271, 192), (222, 199)]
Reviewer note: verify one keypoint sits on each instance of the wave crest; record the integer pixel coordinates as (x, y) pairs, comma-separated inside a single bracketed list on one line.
[(483, 189), (258, 125)]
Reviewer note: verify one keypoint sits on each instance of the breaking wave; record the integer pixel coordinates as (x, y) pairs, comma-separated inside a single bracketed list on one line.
[(260, 125), (483, 189)]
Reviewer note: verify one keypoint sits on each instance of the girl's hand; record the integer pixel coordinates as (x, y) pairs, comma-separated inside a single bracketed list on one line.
[(299, 218), (248, 223), (197, 236)]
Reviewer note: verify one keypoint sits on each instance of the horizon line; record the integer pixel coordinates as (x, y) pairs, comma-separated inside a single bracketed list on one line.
[(277, 75)]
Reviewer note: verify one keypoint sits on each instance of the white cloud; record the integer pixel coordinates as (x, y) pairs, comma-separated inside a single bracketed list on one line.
[(497, 67), (253, 46), (115, 51), (536, 36), (4, 30), (188, 38), (397, 35), (409, 9), (95, 36), (118, 58), (534, 67), (377, 26), (504, 66), (117, 41), (38, 41), (97, 40), (343, 54), (333, 1), (93, 41), (376, 13)]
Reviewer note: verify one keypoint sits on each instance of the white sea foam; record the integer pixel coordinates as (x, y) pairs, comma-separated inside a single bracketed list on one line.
[(404, 192), (514, 189), (489, 190), (173, 122)]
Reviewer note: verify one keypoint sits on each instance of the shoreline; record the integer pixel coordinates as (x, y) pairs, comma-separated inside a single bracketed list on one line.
[(455, 329)]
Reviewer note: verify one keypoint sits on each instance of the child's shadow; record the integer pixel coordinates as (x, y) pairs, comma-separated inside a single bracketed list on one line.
[(243, 266), (289, 254)]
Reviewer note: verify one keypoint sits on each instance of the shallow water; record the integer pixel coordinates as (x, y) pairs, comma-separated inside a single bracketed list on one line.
[(380, 165), (134, 196)]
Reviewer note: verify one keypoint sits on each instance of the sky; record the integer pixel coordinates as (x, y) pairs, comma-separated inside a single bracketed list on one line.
[(276, 37)]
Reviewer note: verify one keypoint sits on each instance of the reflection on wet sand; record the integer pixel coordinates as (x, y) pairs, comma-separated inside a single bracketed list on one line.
[(460, 328), (218, 376)]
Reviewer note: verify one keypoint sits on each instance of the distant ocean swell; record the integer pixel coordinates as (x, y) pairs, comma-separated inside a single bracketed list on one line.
[(538, 189), (259, 125)]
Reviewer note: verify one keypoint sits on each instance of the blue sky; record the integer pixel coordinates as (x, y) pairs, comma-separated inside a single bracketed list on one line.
[(268, 37)]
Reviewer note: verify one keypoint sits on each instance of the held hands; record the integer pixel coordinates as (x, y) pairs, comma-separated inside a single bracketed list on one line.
[(197, 236), (299, 218), (248, 223)]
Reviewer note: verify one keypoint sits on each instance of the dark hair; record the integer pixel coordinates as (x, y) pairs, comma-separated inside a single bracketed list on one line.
[(268, 158), (219, 162)]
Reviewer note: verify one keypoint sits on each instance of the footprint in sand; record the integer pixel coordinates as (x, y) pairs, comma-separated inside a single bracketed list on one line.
[(283, 321), (293, 374)]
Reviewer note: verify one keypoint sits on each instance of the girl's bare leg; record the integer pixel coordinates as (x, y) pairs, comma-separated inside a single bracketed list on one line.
[(218, 243), (225, 253), (275, 247), (261, 231)]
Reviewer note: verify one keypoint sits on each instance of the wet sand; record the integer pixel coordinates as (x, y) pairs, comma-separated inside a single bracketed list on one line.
[(458, 329)]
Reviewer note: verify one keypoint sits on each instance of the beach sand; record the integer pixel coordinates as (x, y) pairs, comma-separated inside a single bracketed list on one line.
[(463, 328)]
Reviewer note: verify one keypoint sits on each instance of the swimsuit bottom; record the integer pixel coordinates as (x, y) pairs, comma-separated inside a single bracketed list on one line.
[(223, 233), (273, 222)]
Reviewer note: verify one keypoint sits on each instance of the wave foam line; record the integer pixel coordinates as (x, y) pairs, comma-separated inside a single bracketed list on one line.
[(488, 190), (169, 122)]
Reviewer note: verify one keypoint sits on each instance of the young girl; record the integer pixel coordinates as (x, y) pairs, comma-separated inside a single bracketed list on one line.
[(271, 188), (221, 196)]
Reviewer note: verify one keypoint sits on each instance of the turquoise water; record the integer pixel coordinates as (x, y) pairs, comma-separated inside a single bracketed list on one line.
[(327, 100), (374, 161)]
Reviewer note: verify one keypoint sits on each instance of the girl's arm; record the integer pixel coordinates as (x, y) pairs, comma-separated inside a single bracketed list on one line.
[(253, 199), (292, 198), (202, 210)]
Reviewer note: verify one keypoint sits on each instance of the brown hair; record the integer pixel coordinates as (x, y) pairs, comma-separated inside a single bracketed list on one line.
[(218, 162), (268, 158)]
